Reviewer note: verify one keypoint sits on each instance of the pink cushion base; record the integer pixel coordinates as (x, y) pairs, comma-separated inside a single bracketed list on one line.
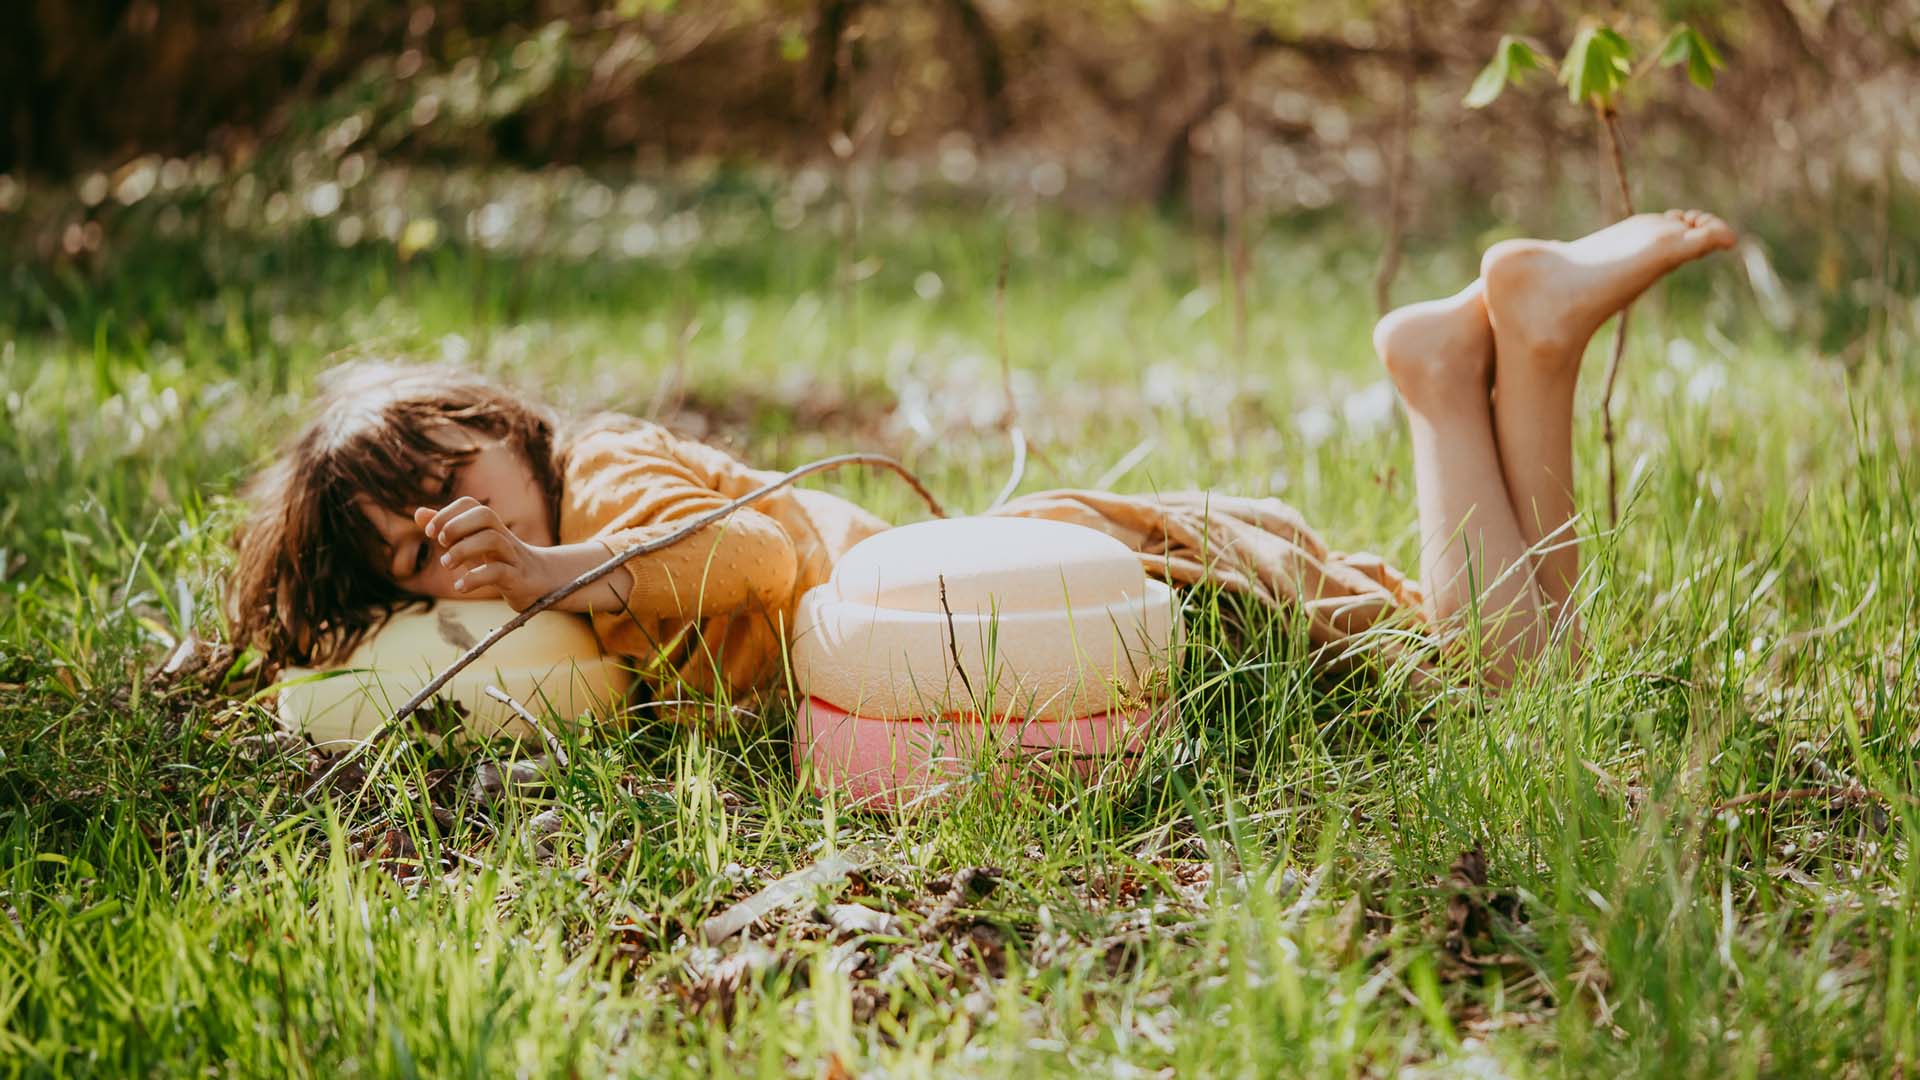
[(884, 764)]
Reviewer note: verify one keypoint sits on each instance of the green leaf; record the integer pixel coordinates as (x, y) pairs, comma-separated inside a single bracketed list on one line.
[(1688, 46), (1700, 70), (79, 867), (1489, 83), (1512, 59), (1674, 49), (1598, 64), (1573, 70)]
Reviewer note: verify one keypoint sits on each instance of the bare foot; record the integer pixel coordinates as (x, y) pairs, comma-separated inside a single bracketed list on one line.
[(1546, 299), (1439, 351)]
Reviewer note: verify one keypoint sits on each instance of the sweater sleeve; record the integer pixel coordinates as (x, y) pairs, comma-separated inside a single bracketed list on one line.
[(624, 486)]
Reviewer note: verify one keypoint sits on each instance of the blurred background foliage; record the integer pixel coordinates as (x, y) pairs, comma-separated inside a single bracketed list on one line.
[(629, 130)]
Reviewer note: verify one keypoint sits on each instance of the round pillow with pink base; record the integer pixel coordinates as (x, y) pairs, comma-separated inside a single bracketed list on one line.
[(938, 646)]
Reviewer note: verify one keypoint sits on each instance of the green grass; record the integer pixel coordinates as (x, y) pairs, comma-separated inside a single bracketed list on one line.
[(1271, 894)]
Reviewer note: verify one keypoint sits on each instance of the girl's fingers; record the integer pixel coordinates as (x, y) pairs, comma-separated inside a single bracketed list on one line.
[(470, 521), (435, 518), (480, 577), (490, 545)]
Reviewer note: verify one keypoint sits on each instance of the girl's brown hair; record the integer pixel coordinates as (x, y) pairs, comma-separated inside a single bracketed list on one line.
[(307, 584)]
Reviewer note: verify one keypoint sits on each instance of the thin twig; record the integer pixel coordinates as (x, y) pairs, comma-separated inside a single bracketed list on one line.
[(956, 894), (1015, 473), (597, 573), (1845, 793), (1610, 134), (953, 641), (1663, 678), (555, 750), (1832, 793), (1236, 193), (1011, 413), (1126, 463), (664, 703), (1606, 416), (1800, 637), (829, 872), (1397, 170), (1010, 410), (673, 389), (1610, 129)]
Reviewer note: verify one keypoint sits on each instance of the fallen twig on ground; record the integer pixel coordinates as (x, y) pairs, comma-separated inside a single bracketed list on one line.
[(794, 887), (962, 885), (1662, 678), (1833, 793), (1800, 637)]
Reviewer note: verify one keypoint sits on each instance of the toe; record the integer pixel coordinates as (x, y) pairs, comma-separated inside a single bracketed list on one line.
[(1711, 231), (1703, 231)]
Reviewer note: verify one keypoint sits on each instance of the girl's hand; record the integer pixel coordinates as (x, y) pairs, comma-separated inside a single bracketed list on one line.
[(488, 560), (484, 556)]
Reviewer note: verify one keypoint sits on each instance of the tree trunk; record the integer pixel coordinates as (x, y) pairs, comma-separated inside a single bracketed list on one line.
[(989, 63)]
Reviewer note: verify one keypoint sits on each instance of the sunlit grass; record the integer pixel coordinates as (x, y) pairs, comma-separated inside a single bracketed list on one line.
[(1268, 895)]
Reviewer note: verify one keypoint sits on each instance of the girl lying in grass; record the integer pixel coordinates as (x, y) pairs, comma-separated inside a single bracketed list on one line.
[(414, 483)]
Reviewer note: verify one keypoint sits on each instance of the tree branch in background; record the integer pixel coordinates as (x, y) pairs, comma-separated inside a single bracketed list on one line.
[(828, 30), (1234, 184), (1323, 49), (1784, 27), (989, 62), (1174, 165), (1399, 166), (1610, 134)]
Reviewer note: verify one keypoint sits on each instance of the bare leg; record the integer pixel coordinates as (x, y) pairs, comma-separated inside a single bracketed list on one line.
[(1473, 558), (1545, 300)]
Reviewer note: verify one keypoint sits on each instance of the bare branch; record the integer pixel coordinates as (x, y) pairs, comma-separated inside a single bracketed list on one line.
[(1010, 416), (1398, 169), (953, 642), (829, 872), (1838, 793), (555, 748), (1610, 134)]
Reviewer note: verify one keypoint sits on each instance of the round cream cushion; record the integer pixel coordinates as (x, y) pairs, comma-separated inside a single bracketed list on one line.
[(552, 665), (1048, 620)]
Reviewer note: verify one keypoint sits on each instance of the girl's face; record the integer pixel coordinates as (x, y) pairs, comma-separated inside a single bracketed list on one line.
[(496, 475)]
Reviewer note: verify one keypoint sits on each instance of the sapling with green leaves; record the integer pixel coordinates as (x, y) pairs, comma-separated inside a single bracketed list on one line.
[(1596, 70)]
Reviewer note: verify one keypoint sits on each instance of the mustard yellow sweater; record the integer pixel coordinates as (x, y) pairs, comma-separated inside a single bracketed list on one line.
[(713, 611)]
